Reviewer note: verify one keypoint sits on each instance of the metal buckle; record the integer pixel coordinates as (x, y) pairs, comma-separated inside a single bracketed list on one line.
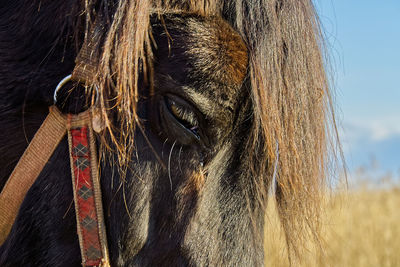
[(59, 85), (64, 81)]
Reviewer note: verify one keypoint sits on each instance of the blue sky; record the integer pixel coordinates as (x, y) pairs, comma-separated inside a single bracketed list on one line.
[(364, 41)]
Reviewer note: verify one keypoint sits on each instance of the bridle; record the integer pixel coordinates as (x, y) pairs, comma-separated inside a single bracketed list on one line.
[(83, 162), (84, 172)]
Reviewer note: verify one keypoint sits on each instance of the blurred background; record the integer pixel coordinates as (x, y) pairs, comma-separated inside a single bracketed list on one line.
[(363, 39), (361, 220)]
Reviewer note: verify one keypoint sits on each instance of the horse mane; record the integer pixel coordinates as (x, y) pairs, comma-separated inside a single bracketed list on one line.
[(293, 118)]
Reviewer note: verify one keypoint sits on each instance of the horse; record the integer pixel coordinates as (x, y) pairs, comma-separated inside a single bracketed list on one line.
[(207, 105)]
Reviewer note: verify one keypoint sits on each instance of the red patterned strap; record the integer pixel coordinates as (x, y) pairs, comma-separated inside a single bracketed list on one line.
[(87, 196), (84, 165)]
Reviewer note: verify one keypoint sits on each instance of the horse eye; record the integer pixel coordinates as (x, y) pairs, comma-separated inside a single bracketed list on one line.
[(184, 115)]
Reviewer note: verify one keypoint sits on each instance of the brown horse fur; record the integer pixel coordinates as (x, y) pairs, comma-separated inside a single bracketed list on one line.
[(273, 47)]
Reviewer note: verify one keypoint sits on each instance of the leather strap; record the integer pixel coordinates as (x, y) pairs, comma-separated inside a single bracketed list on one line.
[(85, 180), (30, 166), (89, 55), (88, 207)]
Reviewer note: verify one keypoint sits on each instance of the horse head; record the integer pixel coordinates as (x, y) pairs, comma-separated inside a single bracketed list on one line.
[(206, 104)]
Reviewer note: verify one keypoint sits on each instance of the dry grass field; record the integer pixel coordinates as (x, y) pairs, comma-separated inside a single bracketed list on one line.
[(361, 228)]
